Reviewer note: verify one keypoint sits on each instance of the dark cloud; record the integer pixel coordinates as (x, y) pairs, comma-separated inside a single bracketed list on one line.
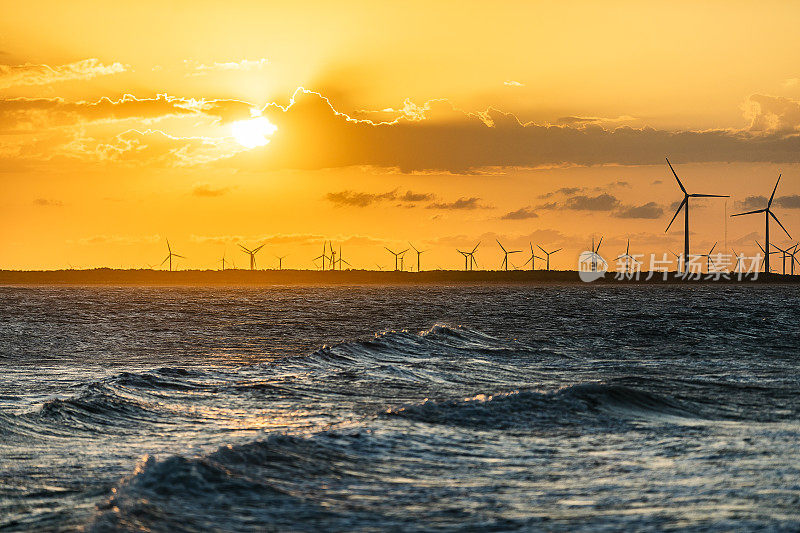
[(364, 199), (650, 210), (522, 213), (461, 203), (47, 202), (567, 191), (658, 182), (601, 202), (760, 202), (206, 191)]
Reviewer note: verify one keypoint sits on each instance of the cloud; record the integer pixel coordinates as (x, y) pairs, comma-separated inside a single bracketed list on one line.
[(461, 203), (772, 114), (523, 213), (364, 199), (116, 239), (202, 69), (206, 191), (601, 202), (438, 137), (650, 210), (31, 74), (512, 83), (760, 202), (46, 202), (567, 191)]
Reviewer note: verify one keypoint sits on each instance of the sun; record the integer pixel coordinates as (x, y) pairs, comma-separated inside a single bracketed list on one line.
[(253, 132)]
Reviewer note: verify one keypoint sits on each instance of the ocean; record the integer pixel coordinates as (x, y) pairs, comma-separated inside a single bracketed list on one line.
[(427, 408)]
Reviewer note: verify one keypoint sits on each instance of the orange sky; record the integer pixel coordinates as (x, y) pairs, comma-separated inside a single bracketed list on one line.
[(437, 123)]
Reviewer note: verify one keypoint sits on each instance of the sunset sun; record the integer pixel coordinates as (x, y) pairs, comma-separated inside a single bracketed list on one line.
[(253, 132)]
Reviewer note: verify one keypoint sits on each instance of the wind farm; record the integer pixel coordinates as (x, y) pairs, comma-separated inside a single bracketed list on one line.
[(332, 260)]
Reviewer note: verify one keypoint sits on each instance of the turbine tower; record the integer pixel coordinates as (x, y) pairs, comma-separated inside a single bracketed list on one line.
[(419, 253), (252, 253), (548, 254), (685, 206), (767, 213), (396, 256), (170, 255), (532, 259), (280, 261), (323, 256), (506, 253)]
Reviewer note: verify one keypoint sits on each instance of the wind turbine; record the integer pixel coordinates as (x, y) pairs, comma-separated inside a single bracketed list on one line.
[(419, 253), (472, 260), (595, 253), (323, 256), (223, 261), (466, 259), (763, 251), (396, 255), (788, 252), (169, 257), (252, 253), (680, 259), (506, 253), (628, 257), (548, 254), (532, 259), (767, 213), (709, 262), (280, 261), (794, 251), (685, 206)]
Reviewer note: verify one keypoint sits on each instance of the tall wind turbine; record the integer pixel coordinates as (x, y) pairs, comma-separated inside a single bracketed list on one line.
[(679, 257), (170, 255), (223, 261), (685, 206), (419, 253), (767, 213), (252, 253), (396, 256), (506, 253), (739, 262), (789, 252), (628, 257), (466, 259), (548, 254), (532, 259)]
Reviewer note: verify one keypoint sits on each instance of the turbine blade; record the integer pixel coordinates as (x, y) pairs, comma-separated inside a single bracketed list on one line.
[(501, 246), (761, 248), (528, 261), (542, 249), (257, 249), (712, 248), (769, 204), (598, 244), (391, 252), (779, 223), (176, 255), (165, 260), (749, 212), (709, 196), (676, 176), (554, 251), (683, 203), (476, 247)]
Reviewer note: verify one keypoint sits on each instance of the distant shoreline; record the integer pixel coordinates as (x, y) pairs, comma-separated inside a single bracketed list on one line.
[(106, 276)]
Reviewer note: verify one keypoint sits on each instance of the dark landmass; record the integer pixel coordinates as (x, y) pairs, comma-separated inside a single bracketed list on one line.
[(107, 276)]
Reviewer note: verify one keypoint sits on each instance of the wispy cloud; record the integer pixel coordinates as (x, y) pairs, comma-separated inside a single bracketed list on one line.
[(47, 202), (364, 199), (201, 69), (206, 191), (523, 213), (512, 83), (461, 203), (33, 74), (650, 210)]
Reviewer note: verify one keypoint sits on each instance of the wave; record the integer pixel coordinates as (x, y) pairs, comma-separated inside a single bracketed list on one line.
[(588, 405)]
